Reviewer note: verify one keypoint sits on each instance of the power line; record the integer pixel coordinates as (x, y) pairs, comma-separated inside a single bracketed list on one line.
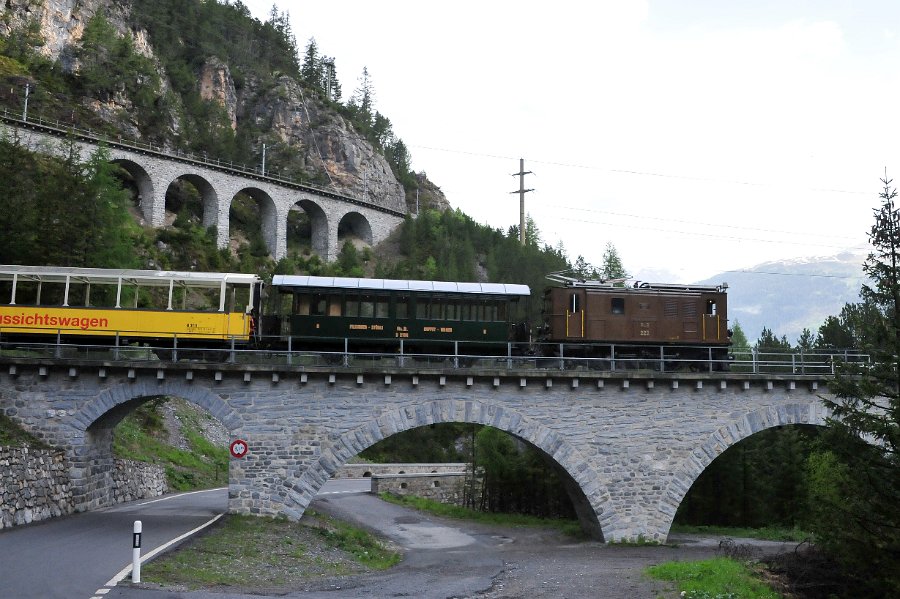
[(646, 173), (691, 222)]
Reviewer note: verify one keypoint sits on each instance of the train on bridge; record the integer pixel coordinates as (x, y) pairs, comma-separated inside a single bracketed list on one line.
[(606, 322)]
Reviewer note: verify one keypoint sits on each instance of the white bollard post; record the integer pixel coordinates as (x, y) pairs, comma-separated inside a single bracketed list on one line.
[(136, 553)]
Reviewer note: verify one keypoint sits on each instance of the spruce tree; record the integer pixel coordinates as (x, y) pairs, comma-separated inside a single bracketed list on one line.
[(857, 490)]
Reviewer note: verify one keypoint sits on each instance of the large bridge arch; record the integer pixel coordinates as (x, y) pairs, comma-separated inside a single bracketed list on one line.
[(209, 198), (727, 436), (588, 494), (271, 226), (355, 224), (318, 224), (144, 184)]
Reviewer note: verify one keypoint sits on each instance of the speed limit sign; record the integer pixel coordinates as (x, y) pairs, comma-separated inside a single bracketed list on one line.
[(238, 448)]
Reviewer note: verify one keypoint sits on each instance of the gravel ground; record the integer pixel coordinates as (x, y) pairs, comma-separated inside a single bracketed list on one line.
[(450, 559)]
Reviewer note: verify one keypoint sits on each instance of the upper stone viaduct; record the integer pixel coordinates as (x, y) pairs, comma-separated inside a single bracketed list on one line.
[(630, 445), (154, 170)]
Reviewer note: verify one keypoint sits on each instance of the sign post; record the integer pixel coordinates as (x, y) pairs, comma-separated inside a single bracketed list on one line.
[(136, 552)]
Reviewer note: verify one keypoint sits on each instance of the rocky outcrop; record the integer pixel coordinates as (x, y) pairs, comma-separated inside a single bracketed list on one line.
[(61, 24), (216, 85), (323, 140), (310, 138)]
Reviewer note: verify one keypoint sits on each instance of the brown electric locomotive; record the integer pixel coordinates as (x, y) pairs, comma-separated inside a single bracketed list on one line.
[(643, 321)]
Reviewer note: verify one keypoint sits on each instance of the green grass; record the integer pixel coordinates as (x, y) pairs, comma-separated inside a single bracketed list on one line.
[(568, 527), (767, 533), (270, 553), (141, 436), (13, 434), (718, 578)]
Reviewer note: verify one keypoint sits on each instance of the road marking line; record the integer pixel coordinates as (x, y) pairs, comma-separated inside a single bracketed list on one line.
[(167, 497), (127, 569), (102, 591)]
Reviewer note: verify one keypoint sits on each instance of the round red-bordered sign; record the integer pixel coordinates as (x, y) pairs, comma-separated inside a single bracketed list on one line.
[(238, 448)]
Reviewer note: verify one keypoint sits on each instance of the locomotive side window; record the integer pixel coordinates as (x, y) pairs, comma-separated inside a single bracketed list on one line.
[(617, 305), (711, 307), (574, 303)]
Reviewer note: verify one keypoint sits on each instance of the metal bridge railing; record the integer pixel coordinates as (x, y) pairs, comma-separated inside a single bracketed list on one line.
[(472, 357)]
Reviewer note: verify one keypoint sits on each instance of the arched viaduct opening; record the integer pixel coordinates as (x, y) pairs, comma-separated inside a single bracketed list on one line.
[(758, 482), (118, 420), (137, 182), (307, 229), (253, 222), (576, 475), (191, 200), (750, 474), (354, 227)]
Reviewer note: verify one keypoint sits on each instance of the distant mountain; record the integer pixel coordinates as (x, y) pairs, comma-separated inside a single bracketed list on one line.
[(788, 296)]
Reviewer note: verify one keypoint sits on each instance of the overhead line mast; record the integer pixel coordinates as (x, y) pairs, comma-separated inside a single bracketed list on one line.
[(522, 191)]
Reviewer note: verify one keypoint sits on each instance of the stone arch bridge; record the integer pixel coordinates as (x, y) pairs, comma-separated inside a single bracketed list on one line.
[(631, 445), (154, 170)]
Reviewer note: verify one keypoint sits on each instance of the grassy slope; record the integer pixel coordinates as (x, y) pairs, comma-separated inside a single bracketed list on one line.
[(142, 436)]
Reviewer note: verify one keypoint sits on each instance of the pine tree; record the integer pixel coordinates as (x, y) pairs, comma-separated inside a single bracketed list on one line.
[(612, 264), (858, 479)]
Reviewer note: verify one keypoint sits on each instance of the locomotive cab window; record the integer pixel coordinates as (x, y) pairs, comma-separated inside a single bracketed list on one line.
[(574, 303), (711, 307), (617, 305)]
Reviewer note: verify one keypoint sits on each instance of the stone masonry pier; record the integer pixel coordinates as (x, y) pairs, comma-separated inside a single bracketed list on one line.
[(631, 444)]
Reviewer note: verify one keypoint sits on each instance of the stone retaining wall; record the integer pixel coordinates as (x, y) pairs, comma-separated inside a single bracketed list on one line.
[(445, 487), (35, 485)]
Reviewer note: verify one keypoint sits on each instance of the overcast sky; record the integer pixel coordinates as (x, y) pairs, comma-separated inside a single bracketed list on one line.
[(697, 136)]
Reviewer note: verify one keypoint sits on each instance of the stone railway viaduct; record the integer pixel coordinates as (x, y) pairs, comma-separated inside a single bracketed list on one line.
[(154, 170), (631, 445)]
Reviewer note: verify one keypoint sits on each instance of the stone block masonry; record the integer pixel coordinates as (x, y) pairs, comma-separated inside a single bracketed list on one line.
[(35, 484), (444, 487), (631, 443)]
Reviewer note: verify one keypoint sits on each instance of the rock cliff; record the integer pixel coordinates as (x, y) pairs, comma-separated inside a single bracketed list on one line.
[(301, 133)]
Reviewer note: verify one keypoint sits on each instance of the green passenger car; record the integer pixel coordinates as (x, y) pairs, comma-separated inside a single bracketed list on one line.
[(380, 314)]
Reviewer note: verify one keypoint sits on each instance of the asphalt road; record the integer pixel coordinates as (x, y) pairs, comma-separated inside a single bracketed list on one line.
[(84, 555), (77, 556), (81, 556)]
